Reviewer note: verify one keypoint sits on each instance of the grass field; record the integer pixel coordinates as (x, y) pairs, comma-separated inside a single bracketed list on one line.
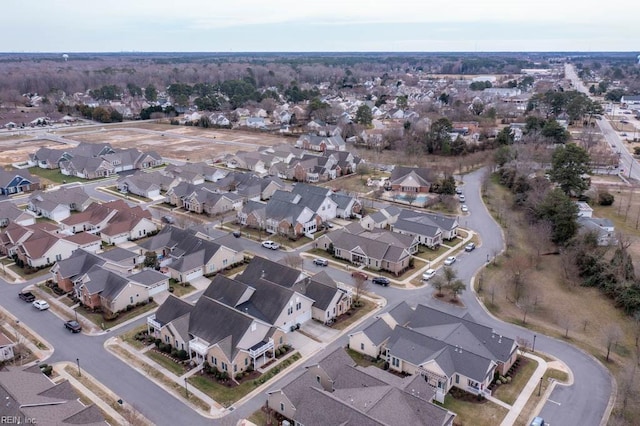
[(475, 414), (53, 176), (557, 305)]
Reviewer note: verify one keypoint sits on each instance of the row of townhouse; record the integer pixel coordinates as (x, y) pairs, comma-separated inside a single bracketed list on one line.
[(238, 322), (429, 228), (447, 350), (294, 163), (336, 391), (92, 161), (108, 280), (58, 204), (41, 244), (298, 212)]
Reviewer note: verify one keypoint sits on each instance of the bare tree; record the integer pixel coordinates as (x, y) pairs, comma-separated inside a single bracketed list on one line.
[(293, 261), (518, 266), (410, 198), (438, 283), (360, 285), (456, 287), (612, 336), (540, 238), (523, 344), (565, 321)]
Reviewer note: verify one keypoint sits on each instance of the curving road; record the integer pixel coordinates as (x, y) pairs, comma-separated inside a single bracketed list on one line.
[(583, 403)]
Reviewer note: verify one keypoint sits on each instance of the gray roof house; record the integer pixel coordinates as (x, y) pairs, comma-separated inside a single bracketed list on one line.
[(58, 204), (336, 391), (467, 353), (448, 225), (9, 213), (26, 393)]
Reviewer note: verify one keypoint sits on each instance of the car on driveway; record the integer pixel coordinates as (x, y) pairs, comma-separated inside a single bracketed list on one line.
[(470, 247), (360, 274), (27, 296), (428, 274), (73, 326), (450, 260), (383, 281), (320, 262), (40, 305), (464, 208), (271, 245)]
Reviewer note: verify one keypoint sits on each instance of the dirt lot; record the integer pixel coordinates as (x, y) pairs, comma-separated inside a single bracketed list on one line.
[(180, 142)]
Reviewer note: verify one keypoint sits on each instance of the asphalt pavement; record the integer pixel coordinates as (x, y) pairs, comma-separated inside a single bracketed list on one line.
[(583, 403)]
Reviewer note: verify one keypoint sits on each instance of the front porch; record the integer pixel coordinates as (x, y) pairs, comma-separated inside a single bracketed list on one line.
[(261, 350), (200, 348)]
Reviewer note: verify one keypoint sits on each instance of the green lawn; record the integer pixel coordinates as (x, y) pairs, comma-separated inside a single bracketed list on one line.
[(98, 319), (54, 175), (509, 392), (255, 234), (356, 314), (425, 253), (20, 271), (476, 414), (227, 396), (417, 264), (180, 290), (129, 337), (168, 363), (364, 360)]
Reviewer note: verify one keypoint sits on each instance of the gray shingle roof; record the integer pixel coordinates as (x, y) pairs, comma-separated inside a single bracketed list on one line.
[(79, 263), (378, 331), (267, 302), (262, 268), (226, 290), (432, 219), (171, 309), (148, 277), (118, 254)]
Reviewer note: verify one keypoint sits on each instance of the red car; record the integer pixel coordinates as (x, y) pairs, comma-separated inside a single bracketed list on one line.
[(359, 274)]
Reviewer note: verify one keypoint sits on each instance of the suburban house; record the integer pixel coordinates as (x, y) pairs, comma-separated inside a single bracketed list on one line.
[(336, 391), (58, 204), (275, 305), (9, 213), (376, 250), (92, 161), (213, 332), (280, 217), (603, 229), (188, 257), (381, 219), (68, 272), (204, 198), (111, 291), (6, 348), (142, 184), (330, 299), (29, 394), (40, 245), (410, 179), (313, 142), (209, 173), (445, 349), (120, 221), (17, 181)]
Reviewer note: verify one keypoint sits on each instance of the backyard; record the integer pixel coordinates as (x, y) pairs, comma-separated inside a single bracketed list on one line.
[(98, 319)]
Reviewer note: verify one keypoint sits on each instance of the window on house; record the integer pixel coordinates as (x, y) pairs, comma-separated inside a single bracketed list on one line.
[(318, 379), (362, 346), (166, 339), (280, 340), (298, 306), (282, 407), (246, 361), (214, 360), (235, 368), (224, 366), (457, 378), (131, 299)]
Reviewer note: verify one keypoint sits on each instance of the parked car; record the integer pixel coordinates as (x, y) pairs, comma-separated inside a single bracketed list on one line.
[(327, 225), (538, 421), (450, 260), (464, 208), (236, 234), (383, 281), (470, 247), (320, 262), (40, 305), (73, 326), (271, 245), (461, 197), (428, 274), (359, 274), (27, 296), (458, 191), (168, 219)]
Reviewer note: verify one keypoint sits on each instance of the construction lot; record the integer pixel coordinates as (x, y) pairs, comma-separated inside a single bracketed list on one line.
[(178, 142)]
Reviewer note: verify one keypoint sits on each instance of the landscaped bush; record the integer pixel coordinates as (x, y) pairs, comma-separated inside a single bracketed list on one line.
[(129, 308), (46, 369), (605, 198), (182, 354)]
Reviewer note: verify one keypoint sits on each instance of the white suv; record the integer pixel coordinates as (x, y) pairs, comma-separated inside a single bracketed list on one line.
[(428, 274), (271, 245)]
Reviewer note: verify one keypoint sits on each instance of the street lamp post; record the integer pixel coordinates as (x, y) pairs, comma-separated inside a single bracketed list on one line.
[(540, 387), (185, 387), (78, 363), (487, 257), (533, 348)]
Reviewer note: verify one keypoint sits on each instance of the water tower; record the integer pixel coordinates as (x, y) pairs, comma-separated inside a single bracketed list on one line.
[(65, 57)]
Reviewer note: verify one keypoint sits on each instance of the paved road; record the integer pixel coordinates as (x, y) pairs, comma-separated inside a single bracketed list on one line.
[(584, 403), (631, 168)]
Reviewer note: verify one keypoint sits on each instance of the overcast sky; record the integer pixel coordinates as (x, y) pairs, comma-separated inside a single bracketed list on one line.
[(319, 25)]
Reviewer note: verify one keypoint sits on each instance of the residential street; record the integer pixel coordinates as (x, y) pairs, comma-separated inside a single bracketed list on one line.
[(583, 403)]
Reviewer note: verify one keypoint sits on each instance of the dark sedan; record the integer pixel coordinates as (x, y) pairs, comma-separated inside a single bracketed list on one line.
[(27, 296), (73, 326)]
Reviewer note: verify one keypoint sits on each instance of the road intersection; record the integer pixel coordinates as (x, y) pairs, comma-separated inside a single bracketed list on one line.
[(585, 402)]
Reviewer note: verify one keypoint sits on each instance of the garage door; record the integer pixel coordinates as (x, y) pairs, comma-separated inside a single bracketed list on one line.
[(302, 318), (159, 289), (193, 275)]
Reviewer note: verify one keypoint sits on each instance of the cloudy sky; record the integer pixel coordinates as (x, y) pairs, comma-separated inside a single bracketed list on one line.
[(319, 25)]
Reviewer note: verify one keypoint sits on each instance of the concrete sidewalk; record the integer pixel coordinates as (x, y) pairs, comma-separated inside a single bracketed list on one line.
[(527, 391)]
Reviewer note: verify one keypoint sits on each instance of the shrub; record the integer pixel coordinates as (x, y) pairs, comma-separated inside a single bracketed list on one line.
[(277, 352), (509, 379), (182, 354), (174, 353), (129, 307), (239, 376), (605, 198)]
